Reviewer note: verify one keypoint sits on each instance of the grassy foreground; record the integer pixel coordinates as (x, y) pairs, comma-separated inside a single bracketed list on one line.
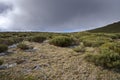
[(60, 56)]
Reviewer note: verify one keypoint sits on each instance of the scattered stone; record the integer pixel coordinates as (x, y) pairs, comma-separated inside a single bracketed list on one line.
[(31, 49), (73, 46), (37, 67), (13, 46), (6, 53), (3, 67), (12, 65), (2, 54), (26, 70), (43, 56), (6, 66), (46, 41)]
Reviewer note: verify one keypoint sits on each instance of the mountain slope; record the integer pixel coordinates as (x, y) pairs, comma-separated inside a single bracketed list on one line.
[(112, 28)]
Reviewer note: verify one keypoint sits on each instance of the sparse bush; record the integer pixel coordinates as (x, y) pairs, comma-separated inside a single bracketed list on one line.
[(107, 59), (23, 46), (114, 46), (1, 61), (80, 48), (109, 56), (38, 38), (113, 36), (62, 41), (8, 41), (18, 39), (22, 34), (94, 41), (3, 48)]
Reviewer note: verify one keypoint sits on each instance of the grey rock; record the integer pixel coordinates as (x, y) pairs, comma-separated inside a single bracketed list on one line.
[(6, 66), (37, 67), (6, 53), (3, 67), (2, 54), (12, 65), (13, 46), (26, 70), (31, 49), (46, 41)]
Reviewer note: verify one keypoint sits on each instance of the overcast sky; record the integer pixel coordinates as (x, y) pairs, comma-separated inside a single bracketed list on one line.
[(57, 15)]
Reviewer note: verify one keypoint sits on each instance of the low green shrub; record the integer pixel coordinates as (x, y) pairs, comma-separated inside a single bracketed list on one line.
[(8, 41), (22, 34), (114, 46), (3, 48), (80, 48), (38, 38), (94, 41), (106, 58), (18, 39), (113, 36), (23, 46), (62, 41), (1, 61)]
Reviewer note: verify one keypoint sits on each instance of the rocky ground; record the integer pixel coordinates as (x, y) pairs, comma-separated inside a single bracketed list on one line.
[(48, 62)]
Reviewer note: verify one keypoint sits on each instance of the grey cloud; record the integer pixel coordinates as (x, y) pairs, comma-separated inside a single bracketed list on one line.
[(61, 15), (4, 8)]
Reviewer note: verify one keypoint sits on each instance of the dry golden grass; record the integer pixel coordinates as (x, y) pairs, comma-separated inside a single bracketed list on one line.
[(55, 63)]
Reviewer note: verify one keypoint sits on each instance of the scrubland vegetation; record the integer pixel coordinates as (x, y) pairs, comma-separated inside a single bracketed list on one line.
[(59, 56)]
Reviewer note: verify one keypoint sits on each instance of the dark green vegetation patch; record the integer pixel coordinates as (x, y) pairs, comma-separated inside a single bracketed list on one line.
[(112, 28), (108, 57), (1, 61), (3, 48), (62, 41), (38, 38), (23, 46)]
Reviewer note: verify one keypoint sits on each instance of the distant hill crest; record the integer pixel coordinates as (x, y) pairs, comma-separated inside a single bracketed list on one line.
[(111, 28)]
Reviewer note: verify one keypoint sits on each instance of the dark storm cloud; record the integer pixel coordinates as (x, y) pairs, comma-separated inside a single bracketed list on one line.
[(61, 15), (4, 8)]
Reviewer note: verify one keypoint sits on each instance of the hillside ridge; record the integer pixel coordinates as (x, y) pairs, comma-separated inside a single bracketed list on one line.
[(111, 28)]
